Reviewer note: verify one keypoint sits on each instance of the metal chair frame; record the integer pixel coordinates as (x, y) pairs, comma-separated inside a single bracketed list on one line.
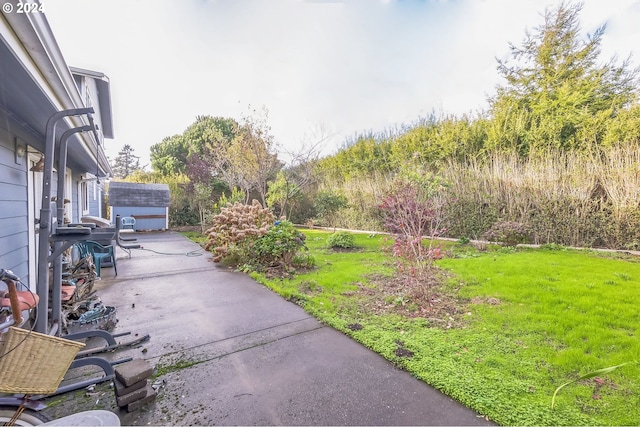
[(98, 252), (128, 221)]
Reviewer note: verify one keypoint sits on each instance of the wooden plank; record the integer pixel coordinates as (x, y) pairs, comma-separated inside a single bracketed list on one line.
[(13, 192), (14, 245), (11, 174), (14, 208), (16, 261), (12, 225), (149, 216)]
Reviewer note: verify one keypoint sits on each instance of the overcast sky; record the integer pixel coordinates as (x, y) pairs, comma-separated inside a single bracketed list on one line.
[(320, 67)]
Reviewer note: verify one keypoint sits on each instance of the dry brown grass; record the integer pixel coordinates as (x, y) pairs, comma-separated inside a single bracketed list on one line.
[(571, 198)]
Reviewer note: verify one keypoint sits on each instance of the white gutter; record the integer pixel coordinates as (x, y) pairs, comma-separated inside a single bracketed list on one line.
[(104, 99), (37, 47), (13, 22)]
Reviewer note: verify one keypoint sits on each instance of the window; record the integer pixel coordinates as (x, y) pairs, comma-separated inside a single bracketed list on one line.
[(83, 195), (68, 193)]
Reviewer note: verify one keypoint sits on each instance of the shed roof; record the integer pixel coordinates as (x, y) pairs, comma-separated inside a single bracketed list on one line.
[(134, 194)]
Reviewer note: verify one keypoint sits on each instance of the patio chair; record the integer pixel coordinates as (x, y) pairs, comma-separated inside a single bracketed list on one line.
[(128, 222), (98, 252)]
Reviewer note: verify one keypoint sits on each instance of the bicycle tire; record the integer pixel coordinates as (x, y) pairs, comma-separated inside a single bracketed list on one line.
[(27, 418)]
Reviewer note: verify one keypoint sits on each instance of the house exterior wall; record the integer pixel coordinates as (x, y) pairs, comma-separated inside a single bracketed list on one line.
[(14, 235), (94, 194), (14, 204), (75, 201), (94, 191), (37, 83), (89, 93), (147, 217)]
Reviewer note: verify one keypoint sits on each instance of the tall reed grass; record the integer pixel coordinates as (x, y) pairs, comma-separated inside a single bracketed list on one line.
[(571, 198), (365, 193)]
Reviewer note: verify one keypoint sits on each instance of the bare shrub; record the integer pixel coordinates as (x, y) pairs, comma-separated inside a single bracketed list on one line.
[(508, 233), (412, 212)]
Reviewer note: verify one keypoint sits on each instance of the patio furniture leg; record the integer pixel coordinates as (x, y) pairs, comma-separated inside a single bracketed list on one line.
[(96, 262)]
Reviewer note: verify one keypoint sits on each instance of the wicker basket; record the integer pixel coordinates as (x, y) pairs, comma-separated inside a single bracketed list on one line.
[(34, 363)]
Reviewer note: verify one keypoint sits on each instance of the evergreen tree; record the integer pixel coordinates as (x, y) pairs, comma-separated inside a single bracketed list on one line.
[(557, 94), (125, 163)]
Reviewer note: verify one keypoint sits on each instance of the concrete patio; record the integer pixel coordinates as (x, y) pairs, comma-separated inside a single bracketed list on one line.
[(235, 353)]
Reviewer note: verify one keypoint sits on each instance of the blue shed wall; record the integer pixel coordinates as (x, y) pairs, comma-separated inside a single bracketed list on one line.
[(139, 212)]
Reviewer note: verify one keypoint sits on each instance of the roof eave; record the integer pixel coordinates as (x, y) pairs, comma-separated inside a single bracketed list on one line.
[(104, 97), (39, 51)]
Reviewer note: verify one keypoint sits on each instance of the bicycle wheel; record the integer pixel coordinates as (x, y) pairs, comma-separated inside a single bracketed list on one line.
[(27, 418)]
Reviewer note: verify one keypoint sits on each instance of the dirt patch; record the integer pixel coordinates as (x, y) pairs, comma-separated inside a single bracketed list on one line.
[(401, 351), (384, 294), (347, 250), (355, 327), (490, 301), (283, 272), (310, 287)]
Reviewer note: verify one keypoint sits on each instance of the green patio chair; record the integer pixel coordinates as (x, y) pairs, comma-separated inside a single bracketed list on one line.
[(98, 252)]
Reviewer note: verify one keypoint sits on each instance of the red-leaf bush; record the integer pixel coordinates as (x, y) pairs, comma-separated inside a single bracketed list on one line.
[(412, 213)]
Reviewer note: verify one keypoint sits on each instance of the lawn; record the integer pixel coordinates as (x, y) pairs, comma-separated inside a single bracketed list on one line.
[(528, 320)]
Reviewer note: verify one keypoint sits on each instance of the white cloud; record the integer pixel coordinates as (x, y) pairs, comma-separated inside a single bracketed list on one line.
[(352, 66)]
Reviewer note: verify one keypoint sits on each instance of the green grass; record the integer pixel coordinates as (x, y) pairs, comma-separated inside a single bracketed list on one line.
[(336, 273), (560, 314), (197, 237)]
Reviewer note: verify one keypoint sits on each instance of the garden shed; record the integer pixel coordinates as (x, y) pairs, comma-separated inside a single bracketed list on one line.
[(147, 203)]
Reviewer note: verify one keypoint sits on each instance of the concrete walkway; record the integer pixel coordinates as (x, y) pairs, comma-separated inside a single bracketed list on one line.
[(241, 355)]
